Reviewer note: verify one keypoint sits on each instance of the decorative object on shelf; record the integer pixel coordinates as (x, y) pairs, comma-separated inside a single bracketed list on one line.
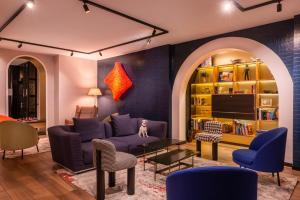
[(226, 76), (266, 102), (204, 75), (94, 92), (247, 73), (118, 81), (207, 63), (236, 61)]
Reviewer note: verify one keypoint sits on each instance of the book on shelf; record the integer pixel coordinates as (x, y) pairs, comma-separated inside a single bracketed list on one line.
[(198, 124), (267, 113), (243, 127)]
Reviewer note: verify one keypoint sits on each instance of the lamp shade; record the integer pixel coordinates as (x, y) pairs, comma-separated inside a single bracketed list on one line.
[(94, 92)]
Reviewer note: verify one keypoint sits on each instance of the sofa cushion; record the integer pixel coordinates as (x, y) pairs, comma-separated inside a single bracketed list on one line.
[(134, 140), (244, 156), (120, 145), (122, 125), (89, 129)]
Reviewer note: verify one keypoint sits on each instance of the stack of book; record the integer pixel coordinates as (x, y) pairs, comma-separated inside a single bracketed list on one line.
[(243, 127), (198, 124), (267, 114)]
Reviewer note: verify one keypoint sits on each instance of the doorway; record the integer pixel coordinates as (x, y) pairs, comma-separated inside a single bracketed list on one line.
[(27, 90)]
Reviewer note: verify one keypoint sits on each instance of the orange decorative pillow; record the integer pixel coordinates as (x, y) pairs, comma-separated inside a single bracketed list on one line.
[(6, 118), (118, 81)]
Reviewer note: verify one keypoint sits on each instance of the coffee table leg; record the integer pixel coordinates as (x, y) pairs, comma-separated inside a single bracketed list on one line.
[(155, 169), (179, 165), (192, 161), (144, 162)]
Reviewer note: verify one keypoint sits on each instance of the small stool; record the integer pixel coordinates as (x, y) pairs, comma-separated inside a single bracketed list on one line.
[(106, 158), (212, 133)]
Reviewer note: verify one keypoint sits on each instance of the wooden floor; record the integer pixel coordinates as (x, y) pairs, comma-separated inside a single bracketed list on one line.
[(35, 177)]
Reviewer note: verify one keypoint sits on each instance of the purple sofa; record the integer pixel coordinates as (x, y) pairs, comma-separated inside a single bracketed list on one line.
[(74, 151)]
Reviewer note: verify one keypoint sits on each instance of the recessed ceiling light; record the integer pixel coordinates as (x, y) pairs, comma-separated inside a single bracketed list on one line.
[(227, 6), (30, 4)]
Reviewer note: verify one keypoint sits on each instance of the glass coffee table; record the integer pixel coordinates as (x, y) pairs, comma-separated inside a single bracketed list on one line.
[(158, 146)]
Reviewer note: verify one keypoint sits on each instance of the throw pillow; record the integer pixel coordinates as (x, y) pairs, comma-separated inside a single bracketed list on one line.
[(122, 125), (89, 129)]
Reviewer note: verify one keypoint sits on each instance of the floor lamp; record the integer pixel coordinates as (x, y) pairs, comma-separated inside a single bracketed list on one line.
[(94, 92)]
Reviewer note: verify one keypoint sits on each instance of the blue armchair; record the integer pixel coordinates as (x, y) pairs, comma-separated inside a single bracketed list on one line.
[(212, 183), (266, 152)]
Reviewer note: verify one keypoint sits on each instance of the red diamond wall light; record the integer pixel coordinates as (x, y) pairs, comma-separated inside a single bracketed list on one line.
[(118, 81)]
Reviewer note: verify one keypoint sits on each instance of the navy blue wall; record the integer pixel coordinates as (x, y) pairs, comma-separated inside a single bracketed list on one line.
[(296, 80), (150, 94), (282, 37)]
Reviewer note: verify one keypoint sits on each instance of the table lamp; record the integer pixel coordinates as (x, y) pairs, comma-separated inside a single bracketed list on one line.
[(94, 92)]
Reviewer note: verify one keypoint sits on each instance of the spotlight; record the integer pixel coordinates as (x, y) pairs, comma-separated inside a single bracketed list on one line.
[(30, 4), (227, 6), (279, 6), (153, 34), (149, 41), (85, 7), (100, 54), (20, 45), (72, 53)]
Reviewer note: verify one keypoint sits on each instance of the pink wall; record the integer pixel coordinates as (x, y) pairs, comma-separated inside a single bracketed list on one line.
[(75, 77), (67, 83)]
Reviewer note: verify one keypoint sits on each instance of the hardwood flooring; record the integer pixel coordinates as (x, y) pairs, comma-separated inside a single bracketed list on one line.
[(35, 177)]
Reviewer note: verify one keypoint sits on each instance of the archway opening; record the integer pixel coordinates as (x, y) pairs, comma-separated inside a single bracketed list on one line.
[(27, 90), (256, 50)]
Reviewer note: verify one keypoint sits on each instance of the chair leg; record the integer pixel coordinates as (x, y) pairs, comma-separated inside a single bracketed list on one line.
[(278, 179), (100, 177), (198, 148), (112, 179), (215, 151), (3, 157), (22, 154), (131, 181), (37, 148)]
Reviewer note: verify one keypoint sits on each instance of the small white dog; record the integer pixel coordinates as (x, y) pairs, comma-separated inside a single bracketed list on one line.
[(143, 129)]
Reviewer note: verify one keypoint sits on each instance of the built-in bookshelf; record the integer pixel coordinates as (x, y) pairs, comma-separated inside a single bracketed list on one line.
[(234, 79)]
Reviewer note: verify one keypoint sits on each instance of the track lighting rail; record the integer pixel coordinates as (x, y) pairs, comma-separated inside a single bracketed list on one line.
[(85, 3)]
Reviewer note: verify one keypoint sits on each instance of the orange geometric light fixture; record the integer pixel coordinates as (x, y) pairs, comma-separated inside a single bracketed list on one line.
[(118, 81)]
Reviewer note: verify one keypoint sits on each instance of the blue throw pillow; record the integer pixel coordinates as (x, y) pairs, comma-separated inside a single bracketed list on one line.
[(123, 125), (89, 129)]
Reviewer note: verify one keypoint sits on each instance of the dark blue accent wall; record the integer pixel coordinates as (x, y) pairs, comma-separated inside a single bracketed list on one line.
[(150, 94), (282, 37), (296, 80)]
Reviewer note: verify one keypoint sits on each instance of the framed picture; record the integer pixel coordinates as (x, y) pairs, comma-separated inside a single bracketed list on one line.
[(226, 76), (266, 102)]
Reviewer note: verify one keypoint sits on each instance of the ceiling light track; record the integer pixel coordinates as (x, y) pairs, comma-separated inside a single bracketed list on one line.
[(157, 31), (13, 17), (244, 9), (41, 45)]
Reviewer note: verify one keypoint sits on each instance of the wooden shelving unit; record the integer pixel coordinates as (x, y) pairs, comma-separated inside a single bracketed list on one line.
[(230, 79)]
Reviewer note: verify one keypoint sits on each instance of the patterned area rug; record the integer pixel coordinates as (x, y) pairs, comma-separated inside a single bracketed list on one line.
[(44, 146), (147, 188)]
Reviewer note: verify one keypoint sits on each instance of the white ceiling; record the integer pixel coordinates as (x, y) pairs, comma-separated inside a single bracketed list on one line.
[(64, 23)]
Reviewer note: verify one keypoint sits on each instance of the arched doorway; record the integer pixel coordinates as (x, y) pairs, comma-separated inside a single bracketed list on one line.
[(276, 66), (26, 89)]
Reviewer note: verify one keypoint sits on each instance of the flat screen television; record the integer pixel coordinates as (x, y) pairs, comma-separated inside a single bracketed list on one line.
[(235, 106)]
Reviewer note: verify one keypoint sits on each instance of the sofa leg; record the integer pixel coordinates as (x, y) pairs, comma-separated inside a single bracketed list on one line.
[(272, 174), (112, 179), (3, 157), (278, 179), (37, 148), (131, 181), (198, 148), (100, 178), (215, 151), (22, 153)]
